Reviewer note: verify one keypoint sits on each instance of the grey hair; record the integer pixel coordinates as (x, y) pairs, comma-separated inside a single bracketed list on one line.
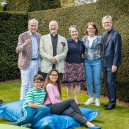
[(108, 16), (74, 26), (33, 20), (53, 21)]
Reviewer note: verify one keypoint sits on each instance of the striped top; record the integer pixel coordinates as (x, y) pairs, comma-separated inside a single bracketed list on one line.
[(35, 96)]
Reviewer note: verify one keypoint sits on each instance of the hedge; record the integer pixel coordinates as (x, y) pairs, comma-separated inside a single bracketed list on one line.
[(80, 16), (14, 24), (11, 25), (32, 5)]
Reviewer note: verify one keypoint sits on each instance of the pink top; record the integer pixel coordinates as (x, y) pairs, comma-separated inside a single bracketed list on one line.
[(53, 94)]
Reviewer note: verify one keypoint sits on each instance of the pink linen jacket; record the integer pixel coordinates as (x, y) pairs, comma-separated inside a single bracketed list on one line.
[(25, 54)]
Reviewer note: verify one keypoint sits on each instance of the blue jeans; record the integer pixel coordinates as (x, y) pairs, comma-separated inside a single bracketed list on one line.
[(27, 77), (31, 115), (93, 70)]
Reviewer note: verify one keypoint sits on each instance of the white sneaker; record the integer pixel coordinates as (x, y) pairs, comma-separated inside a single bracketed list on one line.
[(97, 102), (89, 101)]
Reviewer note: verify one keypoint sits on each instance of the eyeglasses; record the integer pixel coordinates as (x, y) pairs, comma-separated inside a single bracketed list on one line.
[(54, 75), (39, 82), (106, 22), (91, 28)]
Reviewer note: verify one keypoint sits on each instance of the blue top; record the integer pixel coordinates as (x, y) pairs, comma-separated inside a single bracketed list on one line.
[(35, 53), (93, 52), (75, 51)]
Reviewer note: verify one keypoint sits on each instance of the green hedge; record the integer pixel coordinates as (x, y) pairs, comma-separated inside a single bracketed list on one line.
[(14, 24), (66, 3), (32, 5), (11, 25), (80, 16)]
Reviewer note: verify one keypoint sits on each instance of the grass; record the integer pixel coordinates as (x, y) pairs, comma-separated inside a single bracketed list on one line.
[(113, 119)]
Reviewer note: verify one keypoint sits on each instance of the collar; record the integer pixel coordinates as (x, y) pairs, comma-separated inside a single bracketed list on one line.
[(53, 35), (31, 33), (72, 40), (109, 31)]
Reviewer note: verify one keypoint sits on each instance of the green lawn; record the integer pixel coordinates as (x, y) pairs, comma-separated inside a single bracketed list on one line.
[(114, 119)]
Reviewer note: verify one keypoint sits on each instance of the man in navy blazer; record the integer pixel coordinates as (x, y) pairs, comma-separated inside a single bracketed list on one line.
[(111, 54)]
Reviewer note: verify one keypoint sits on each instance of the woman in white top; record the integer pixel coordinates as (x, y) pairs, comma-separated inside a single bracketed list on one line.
[(92, 62)]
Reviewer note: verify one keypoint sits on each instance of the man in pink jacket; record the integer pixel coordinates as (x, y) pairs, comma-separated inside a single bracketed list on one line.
[(29, 59)]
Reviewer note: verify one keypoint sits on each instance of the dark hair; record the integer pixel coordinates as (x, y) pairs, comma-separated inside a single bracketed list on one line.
[(47, 80), (93, 24), (38, 78)]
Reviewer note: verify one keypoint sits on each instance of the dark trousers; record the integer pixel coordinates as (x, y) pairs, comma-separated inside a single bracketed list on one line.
[(44, 75), (109, 79), (64, 108)]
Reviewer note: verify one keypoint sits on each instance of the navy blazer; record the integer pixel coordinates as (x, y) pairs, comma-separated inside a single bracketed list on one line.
[(112, 49), (75, 51)]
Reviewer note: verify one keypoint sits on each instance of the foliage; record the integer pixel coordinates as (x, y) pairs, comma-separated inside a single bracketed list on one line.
[(3, 5), (1, 8), (66, 3), (32, 5), (14, 24), (11, 25), (115, 119), (80, 16)]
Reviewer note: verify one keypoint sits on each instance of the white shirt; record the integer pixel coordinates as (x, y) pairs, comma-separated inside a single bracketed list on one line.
[(91, 39)]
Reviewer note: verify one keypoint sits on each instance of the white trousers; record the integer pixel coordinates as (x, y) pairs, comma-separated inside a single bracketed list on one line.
[(27, 77)]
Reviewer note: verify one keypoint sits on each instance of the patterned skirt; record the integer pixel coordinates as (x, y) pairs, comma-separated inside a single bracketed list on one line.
[(74, 74)]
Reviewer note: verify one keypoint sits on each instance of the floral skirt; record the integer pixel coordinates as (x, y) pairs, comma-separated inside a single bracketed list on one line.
[(74, 74)]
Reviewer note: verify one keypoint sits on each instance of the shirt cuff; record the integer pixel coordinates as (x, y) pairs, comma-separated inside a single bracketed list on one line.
[(23, 47)]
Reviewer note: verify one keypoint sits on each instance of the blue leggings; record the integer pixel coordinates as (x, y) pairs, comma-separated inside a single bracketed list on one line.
[(32, 116)]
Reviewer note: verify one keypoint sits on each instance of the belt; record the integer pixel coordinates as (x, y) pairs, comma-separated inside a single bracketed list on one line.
[(34, 58)]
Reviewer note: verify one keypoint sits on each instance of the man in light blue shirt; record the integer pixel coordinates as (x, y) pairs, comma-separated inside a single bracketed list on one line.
[(29, 59)]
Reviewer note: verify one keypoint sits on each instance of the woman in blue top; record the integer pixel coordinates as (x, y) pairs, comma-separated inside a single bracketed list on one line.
[(92, 62), (74, 70)]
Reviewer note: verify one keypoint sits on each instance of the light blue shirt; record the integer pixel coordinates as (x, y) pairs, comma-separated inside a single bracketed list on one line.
[(35, 53)]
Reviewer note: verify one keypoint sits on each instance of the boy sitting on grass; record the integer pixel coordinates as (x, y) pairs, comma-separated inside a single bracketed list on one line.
[(33, 109)]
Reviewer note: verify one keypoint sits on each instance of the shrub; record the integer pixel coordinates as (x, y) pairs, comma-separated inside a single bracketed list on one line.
[(11, 25)]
